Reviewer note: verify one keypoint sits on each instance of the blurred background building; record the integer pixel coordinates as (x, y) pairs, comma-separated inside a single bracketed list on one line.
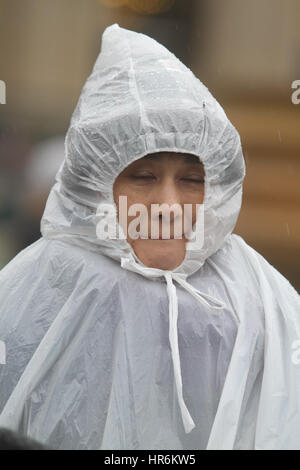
[(246, 53)]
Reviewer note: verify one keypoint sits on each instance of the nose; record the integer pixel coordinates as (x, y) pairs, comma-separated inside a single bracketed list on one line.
[(167, 196)]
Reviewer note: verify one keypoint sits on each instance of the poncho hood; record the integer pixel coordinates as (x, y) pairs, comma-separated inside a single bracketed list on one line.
[(141, 99)]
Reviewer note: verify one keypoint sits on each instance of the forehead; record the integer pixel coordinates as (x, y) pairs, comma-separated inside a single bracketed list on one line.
[(160, 157)]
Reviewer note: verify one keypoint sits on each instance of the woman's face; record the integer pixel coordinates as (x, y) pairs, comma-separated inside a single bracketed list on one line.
[(161, 178)]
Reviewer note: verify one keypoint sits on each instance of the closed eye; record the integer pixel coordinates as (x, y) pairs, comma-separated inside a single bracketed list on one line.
[(144, 177), (194, 180)]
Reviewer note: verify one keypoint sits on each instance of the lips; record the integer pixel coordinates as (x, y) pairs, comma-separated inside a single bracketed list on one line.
[(165, 239)]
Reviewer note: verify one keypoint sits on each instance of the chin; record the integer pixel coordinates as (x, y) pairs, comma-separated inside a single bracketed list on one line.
[(160, 254)]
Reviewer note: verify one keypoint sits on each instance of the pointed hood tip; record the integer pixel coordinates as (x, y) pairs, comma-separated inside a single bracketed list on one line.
[(111, 27)]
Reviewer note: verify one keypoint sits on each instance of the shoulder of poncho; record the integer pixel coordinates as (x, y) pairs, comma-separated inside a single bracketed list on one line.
[(272, 274), (74, 258)]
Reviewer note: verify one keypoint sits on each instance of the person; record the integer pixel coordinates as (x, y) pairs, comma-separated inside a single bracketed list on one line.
[(13, 441), (43, 162), (120, 340)]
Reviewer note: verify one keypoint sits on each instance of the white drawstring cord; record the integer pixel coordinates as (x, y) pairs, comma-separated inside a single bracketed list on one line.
[(173, 338), (200, 296), (131, 265)]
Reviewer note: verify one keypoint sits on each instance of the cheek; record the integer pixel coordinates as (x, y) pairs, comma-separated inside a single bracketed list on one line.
[(193, 194), (133, 196), (121, 190), (194, 198)]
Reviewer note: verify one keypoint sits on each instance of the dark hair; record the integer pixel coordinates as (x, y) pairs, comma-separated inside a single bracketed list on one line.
[(10, 440)]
